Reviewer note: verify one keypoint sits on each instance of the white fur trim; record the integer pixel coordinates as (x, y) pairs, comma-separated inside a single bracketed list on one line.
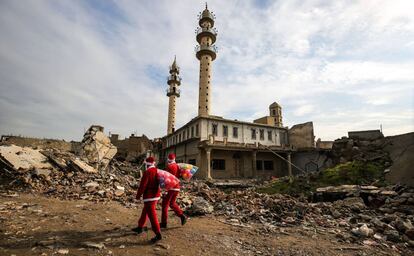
[(171, 161), (149, 165), (151, 199)]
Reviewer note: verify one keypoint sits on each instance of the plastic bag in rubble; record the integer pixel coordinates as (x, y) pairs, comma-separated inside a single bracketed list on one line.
[(166, 180), (187, 170)]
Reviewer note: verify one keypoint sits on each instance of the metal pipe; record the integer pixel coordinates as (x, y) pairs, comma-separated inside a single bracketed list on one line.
[(266, 147)]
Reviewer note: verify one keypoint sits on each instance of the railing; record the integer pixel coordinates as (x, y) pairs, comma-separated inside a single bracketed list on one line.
[(177, 68), (209, 30), (170, 91), (174, 78), (211, 48)]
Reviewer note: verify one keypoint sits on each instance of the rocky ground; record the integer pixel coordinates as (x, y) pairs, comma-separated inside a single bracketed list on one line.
[(33, 224)]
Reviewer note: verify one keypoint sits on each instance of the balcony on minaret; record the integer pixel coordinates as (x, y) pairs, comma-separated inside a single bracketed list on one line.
[(173, 79), (206, 49), (174, 69), (210, 32), (173, 91)]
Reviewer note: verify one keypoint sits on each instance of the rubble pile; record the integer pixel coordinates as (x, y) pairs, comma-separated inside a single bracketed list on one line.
[(360, 148), (389, 218), (92, 174), (118, 182), (248, 206)]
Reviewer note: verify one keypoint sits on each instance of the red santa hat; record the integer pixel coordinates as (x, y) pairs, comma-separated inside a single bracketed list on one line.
[(149, 162), (171, 158)]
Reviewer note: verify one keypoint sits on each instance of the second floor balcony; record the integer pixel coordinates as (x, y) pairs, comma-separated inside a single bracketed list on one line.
[(210, 32), (174, 79)]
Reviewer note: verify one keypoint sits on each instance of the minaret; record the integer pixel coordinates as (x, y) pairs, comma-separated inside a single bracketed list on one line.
[(206, 52), (173, 80)]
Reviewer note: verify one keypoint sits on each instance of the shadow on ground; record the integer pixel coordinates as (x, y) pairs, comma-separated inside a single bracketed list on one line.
[(77, 239)]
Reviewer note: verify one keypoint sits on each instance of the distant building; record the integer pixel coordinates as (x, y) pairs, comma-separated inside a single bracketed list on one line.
[(275, 117), (132, 147), (320, 144), (366, 135), (40, 143)]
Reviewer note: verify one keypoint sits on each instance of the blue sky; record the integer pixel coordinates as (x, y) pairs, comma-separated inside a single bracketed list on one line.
[(345, 65)]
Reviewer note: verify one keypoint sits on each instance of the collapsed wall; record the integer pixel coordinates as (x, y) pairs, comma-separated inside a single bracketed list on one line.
[(301, 136), (361, 146), (393, 152), (97, 147), (401, 151)]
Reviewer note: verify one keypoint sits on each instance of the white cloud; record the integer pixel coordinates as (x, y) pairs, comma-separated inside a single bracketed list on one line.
[(304, 110), (355, 72)]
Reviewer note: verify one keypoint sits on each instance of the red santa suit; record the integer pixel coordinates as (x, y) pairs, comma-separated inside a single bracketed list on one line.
[(149, 189), (169, 200)]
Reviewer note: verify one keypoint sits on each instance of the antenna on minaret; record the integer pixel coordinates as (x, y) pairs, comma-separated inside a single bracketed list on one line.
[(206, 5)]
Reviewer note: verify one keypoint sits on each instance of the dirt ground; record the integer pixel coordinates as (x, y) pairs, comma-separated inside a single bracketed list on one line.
[(36, 225)]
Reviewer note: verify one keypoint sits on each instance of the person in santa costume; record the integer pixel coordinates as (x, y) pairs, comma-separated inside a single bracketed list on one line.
[(149, 189), (169, 200)]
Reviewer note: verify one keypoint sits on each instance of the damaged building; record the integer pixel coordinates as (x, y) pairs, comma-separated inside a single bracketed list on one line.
[(131, 148)]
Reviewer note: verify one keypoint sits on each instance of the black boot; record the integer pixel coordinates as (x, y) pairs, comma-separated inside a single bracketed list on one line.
[(157, 238), (139, 230), (163, 225), (183, 219)]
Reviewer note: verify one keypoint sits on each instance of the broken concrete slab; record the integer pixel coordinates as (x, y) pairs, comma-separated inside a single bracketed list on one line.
[(24, 158), (82, 166), (200, 206), (57, 161), (93, 245)]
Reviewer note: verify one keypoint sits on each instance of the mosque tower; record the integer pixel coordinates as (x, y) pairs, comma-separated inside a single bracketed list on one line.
[(206, 52), (174, 81), (275, 111)]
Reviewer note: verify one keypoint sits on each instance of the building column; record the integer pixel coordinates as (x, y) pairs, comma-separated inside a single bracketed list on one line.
[(254, 164), (208, 153), (289, 165)]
